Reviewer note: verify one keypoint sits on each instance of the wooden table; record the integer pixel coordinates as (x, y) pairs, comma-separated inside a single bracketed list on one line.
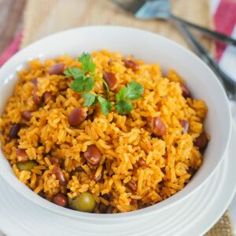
[(11, 12)]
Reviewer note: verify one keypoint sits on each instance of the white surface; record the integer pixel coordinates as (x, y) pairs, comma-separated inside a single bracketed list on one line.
[(150, 47), (194, 216)]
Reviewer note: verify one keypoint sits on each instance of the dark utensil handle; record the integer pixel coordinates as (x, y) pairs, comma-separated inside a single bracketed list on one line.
[(211, 33), (228, 83)]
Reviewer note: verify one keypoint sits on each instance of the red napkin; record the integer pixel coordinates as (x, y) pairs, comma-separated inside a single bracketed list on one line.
[(225, 21)]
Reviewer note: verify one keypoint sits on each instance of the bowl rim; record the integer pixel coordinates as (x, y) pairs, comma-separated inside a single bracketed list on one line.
[(19, 187)]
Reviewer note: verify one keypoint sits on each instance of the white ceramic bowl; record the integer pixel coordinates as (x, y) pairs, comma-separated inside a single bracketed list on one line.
[(151, 48)]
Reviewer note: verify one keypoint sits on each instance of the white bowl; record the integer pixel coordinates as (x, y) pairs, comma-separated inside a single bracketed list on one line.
[(151, 48)]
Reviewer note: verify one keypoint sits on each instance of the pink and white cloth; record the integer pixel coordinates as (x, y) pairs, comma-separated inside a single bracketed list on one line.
[(224, 15)]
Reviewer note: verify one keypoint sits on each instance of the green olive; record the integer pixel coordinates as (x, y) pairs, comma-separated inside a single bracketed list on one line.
[(84, 202), (26, 165)]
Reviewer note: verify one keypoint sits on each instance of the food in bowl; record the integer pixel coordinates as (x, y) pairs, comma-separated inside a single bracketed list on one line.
[(103, 133)]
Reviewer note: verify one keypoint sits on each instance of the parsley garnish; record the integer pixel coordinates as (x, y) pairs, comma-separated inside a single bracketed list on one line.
[(83, 78), (104, 104), (124, 107), (87, 63), (73, 72), (84, 82), (124, 97), (89, 99)]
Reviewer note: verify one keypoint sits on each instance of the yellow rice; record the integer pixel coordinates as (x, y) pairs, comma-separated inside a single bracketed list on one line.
[(122, 140)]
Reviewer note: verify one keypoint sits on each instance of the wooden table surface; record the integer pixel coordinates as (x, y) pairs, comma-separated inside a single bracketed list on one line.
[(11, 12)]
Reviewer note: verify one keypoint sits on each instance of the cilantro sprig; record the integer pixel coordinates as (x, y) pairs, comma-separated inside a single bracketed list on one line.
[(124, 97), (104, 104), (88, 66), (83, 78), (91, 99), (84, 82)]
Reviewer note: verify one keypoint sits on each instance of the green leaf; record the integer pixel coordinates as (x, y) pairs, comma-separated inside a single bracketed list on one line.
[(88, 84), (77, 86), (87, 63), (73, 72), (121, 95), (82, 84), (89, 99), (104, 104), (124, 107), (134, 90), (131, 92)]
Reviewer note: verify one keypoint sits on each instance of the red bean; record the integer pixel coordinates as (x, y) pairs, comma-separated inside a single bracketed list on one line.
[(131, 64), (59, 175), (26, 115), (201, 141), (185, 91), (60, 199), (133, 201), (37, 100), (191, 170), (141, 163), (132, 185), (185, 125), (110, 79), (47, 96), (107, 196), (102, 208), (110, 209), (54, 160), (56, 69), (14, 130), (79, 169), (76, 117), (21, 155), (93, 155), (34, 82), (157, 126)]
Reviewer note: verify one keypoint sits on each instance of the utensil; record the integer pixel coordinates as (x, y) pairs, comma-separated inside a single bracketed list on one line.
[(228, 83), (161, 9)]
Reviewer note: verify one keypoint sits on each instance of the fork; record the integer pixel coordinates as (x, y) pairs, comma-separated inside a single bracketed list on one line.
[(228, 83), (161, 9)]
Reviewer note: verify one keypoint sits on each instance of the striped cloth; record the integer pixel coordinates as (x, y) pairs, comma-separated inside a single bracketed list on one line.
[(224, 15)]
